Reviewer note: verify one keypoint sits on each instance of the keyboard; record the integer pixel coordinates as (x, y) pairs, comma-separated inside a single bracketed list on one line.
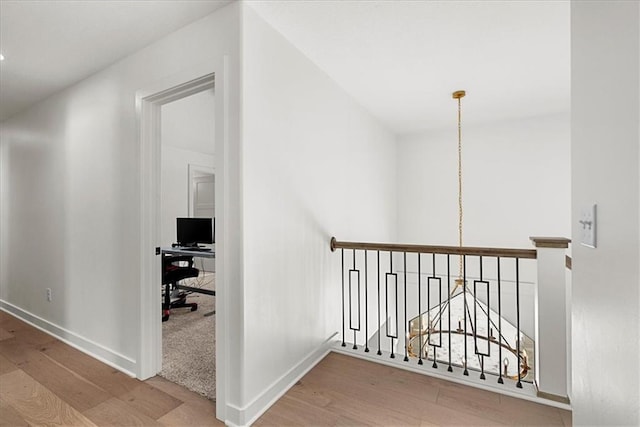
[(197, 249)]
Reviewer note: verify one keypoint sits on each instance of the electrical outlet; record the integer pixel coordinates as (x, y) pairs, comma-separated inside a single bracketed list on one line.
[(49, 297), (588, 226)]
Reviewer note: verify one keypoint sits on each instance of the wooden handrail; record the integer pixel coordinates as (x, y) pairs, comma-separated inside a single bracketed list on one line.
[(452, 250), (550, 242)]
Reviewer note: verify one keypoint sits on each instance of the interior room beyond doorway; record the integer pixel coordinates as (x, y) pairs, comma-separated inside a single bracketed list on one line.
[(187, 190)]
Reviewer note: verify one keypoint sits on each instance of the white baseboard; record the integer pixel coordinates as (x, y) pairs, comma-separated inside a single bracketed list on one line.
[(118, 361), (246, 415)]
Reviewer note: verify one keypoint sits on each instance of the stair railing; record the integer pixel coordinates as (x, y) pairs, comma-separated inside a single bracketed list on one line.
[(461, 307)]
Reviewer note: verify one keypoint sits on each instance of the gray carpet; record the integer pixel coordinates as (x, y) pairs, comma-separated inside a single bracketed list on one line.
[(188, 342)]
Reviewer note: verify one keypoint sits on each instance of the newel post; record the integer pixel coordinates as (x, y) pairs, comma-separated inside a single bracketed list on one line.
[(551, 320)]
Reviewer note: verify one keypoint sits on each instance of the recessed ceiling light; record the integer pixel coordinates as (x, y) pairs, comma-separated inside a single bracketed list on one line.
[(1, 57)]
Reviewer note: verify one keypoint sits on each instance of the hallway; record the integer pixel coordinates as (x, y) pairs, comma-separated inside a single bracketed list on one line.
[(44, 380)]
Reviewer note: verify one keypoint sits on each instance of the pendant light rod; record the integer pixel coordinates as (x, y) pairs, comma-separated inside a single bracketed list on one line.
[(459, 94)]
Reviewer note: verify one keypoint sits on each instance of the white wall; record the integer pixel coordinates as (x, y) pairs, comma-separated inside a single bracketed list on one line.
[(605, 39), (71, 192), (516, 183), (188, 123), (315, 164), (174, 200), (188, 136)]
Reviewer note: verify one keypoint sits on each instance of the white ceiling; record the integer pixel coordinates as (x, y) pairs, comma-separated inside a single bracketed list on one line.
[(51, 44), (399, 59), (403, 59)]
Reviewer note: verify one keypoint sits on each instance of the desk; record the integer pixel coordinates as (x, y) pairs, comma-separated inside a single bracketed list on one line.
[(188, 252)]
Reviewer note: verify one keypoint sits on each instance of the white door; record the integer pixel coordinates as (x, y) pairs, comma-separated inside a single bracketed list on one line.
[(203, 196)]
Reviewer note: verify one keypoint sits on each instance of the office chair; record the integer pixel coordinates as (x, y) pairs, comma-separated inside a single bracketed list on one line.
[(174, 270)]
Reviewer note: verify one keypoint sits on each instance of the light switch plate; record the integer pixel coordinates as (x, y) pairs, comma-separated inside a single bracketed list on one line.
[(588, 226)]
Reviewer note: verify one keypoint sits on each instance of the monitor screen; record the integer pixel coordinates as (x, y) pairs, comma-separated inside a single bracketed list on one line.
[(191, 231)]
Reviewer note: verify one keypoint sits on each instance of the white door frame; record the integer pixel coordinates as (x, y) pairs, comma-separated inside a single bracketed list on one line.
[(148, 106), (150, 351)]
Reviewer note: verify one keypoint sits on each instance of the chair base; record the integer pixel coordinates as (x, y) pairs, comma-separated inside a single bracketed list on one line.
[(180, 302)]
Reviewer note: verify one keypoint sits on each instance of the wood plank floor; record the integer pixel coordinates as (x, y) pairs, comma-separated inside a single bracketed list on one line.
[(342, 390), (45, 382)]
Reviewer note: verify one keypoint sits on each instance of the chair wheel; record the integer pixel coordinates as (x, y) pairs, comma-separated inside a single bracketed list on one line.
[(194, 307)]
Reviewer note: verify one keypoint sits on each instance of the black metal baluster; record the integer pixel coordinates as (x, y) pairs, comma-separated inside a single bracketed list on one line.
[(500, 380), (406, 320), (464, 290), (395, 281), (433, 273), (450, 368), (379, 309), (475, 318), (343, 310), (395, 299), (475, 293), (428, 290), (355, 346), (419, 311), (366, 304), (353, 252), (519, 383)]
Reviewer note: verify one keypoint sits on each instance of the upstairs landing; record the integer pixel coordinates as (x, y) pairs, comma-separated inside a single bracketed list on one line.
[(344, 390)]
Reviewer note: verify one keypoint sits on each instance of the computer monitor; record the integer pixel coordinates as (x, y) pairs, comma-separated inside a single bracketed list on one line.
[(191, 231)]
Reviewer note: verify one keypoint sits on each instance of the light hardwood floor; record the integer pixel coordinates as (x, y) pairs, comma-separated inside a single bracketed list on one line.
[(342, 390), (45, 382)]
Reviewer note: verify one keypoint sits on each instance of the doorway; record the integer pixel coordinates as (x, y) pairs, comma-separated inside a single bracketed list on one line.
[(187, 134), (148, 104)]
